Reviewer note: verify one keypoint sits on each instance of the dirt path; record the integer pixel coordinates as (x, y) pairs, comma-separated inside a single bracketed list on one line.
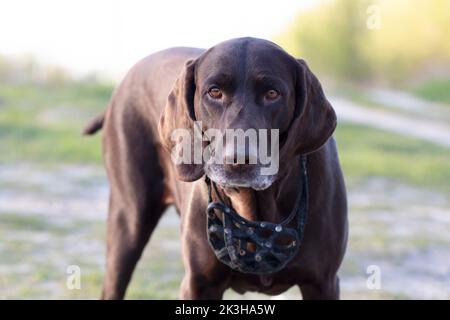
[(413, 126), (55, 217), (405, 102)]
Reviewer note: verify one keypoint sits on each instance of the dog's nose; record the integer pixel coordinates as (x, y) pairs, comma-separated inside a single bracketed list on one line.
[(240, 155)]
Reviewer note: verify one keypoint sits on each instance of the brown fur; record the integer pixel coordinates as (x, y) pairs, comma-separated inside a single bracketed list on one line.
[(161, 93)]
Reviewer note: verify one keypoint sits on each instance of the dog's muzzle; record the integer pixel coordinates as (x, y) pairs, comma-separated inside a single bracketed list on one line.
[(257, 247)]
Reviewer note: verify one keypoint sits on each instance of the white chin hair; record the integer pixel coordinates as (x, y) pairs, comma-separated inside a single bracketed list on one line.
[(256, 181)]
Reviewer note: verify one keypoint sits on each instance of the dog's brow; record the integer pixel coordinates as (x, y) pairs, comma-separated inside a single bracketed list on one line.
[(219, 78), (265, 80), (264, 77)]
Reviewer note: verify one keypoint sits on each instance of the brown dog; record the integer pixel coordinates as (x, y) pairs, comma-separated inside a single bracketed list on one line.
[(241, 83)]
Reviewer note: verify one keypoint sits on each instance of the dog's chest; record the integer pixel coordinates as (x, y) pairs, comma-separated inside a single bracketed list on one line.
[(268, 284)]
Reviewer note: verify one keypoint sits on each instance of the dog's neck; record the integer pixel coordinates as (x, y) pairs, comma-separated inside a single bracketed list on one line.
[(273, 204)]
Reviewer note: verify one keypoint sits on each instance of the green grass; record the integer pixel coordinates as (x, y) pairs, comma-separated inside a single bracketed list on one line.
[(435, 90), (14, 221), (81, 95), (357, 94), (36, 143), (43, 123), (34, 127), (366, 152)]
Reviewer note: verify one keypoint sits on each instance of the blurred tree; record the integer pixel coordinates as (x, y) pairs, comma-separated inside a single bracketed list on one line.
[(335, 39), (56, 76), (5, 69), (26, 69)]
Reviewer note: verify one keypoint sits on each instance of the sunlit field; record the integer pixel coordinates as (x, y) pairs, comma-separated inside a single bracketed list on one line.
[(53, 204), (384, 66)]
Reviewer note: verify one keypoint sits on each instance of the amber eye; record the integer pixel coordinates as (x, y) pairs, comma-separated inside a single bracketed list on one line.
[(271, 94), (215, 93)]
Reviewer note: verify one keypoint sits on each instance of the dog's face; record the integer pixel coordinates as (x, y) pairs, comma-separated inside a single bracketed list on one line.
[(252, 88), (247, 85)]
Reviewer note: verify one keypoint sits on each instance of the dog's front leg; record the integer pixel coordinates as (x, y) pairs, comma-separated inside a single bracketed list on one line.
[(205, 277), (199, 287), (324, 289)]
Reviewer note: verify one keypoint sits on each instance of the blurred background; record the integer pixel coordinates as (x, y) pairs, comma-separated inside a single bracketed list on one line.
[(385, 66)]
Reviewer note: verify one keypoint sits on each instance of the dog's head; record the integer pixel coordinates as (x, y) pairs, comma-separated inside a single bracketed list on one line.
[(246, 85)]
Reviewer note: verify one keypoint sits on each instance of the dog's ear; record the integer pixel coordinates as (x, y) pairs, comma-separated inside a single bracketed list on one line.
[(314, 118), (179, 114)]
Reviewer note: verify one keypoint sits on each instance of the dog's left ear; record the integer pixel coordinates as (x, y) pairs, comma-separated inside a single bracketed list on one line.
[(314, 118), (179, 114)]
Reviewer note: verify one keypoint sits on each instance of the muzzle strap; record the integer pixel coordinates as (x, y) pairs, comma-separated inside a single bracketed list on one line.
[(257, 247)]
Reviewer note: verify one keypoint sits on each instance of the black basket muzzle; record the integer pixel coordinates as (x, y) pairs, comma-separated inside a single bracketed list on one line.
[(257, 247)]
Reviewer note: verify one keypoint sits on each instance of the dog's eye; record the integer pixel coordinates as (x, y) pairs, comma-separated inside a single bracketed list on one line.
[(271, 94), (215, 92)]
